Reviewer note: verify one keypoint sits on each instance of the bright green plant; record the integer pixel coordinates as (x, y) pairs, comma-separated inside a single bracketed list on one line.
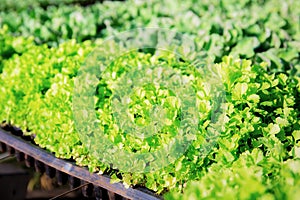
[(256, 155), (261, 120)]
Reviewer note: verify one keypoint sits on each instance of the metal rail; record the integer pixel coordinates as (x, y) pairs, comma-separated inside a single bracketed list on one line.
[(45, 161)]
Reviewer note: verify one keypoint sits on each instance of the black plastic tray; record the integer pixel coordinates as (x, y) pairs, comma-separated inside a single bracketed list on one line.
[(22, 147)]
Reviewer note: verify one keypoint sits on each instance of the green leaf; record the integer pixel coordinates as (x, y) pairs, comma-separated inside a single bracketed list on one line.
[(296, 134), (274, 129), (239, 90), (254, 98), (288, 54), (245, 47)]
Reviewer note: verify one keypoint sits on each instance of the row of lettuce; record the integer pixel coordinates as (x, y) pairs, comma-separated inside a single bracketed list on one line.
[(257, 154), (258, 30), (13, 6)]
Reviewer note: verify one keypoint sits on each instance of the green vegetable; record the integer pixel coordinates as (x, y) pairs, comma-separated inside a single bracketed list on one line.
[(255, 156), (257, 30)]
